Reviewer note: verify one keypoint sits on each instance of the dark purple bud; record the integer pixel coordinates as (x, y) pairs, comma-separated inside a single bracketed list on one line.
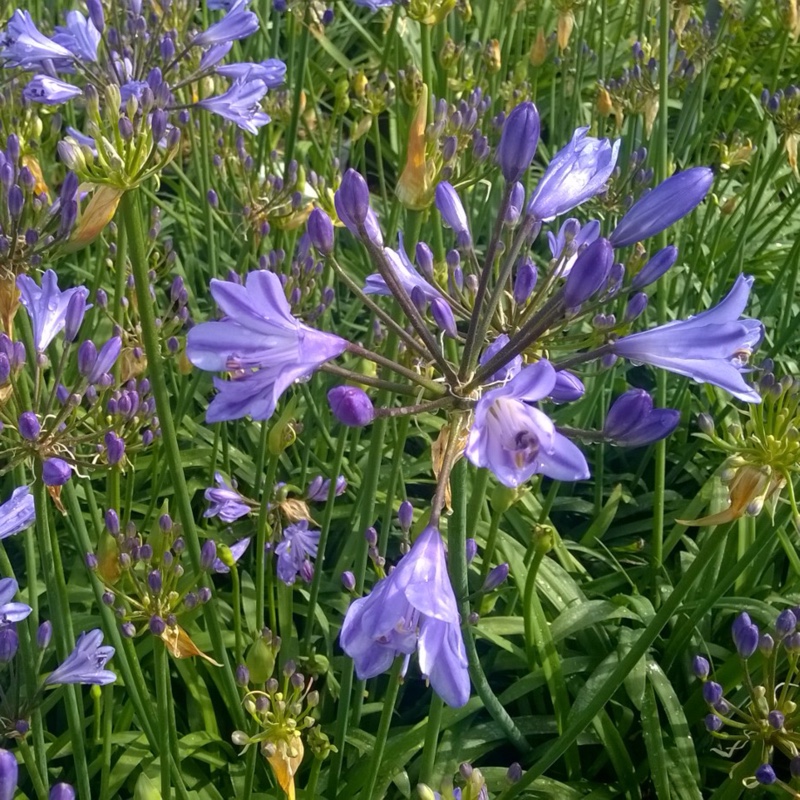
[(95, 9), (154, 581), (776, 719), (765, 775), (443, 315), (786, 623), (112, 522), (352, 200), (165, 523), (633, 422), (495, 577), (348, 581), (115, 447), (700, 667), (655, 267), (516, 202), (524, 282), (28, 425), (712, 692), (158, 124), (713, 723), (518, 141), (424, 257), (157, 625), (672, 199), (405, 515), (514, 773), (320, 231), (9, 643), (5, 369), (746, 640), (56, 472), (87, 356), (371, 536), (146, 553), (16, 201), (128, 630), (450, 207), (351, 406), (108, 598), (637, 303), (76, 308), (589, 273), (212, 198), (208, 554), (43, 635), (766, 644), (125, 127)]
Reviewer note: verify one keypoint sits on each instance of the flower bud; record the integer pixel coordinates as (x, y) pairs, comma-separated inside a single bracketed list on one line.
[(320, 231), (112, 522), (518, 141), (424, 257), (56, 472), (9, 643), (351, 406), (28, 426), (700, 667), (348, 581), (713, 723), (44, 634), (76, 308), (776, 719), (495, 577), (443, 315), (633, 422), (568, 388), (450, 207), (514, 773), (87, 356), (637, 303), (157, 625), (786, 623), (208, 554), (765, 775), (524, 282), (405, 515), (589, 273), (712, 692), (472, 549), (655, 267), (352, 200), (242, 675), (745, 636), (115, 448), (95, 9)]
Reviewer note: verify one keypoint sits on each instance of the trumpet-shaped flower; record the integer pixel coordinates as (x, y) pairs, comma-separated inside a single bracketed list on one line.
[(17, 513), (406, 274), (50, 91), (712, 347), (79, 36), (24, 45), (633, 422), (295, 551), (225, 502), (240, 104), (413, 608), (516, 440), (261, 342), (238, 23), (272, 71), (11, 612), (46, 306), (86, 663)]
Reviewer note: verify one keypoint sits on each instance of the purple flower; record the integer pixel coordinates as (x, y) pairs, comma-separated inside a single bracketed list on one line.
[(258, 333), (56, 472), (320, 231), (589, 273), (575, 173), (515, 440), (510, 369), (105, 359), (413, 608), (452, 210), (272, 71), (86, 663), (351, 406), (240, 104), (79, 36), (62, 791), (353, 209), (226, 502), (712, 347), (567, 389), (11, 612), (405, 272), (46, 306), (374, 5), (570, 238), (25, 46), (318, 488), (295, 551), (659, 208), (238, 23), (656, 266), (9, 774), (237, 550), (633, 422), (17, 513), (50, 91), (518, 141)]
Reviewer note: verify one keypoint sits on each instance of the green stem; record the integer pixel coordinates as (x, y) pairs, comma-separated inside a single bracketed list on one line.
[(432, 728), (606, 690), (299, 73), (383, 727), (236, 601), (530, 589), (30, 764), (162, 699), (261, 541), (152, 345)]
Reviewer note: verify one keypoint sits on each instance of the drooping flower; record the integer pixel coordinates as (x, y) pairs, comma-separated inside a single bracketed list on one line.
[(258, 333), (633, 422), (413, 608), (711, 347), (17, 513), (50, 91), (295, 551), (225, 502), (576, 172), (406, 274), (24, 45), (240, 104), (11, 612), (46, 306), (272, 71), (86, 663), (516, 440), (238, 23)]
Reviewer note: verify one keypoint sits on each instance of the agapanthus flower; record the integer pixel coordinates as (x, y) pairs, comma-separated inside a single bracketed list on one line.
[(240, 104), (237, 24), (46, 306), (50, 91), (10, 611), (515, 440), (261, 342), (17, 513), (412, 609), (406, 273), (236, 550), (225, 502), (510, 369), (711, 347), (272, 71), (318, 488), (24, 45), (632, 421), (571, 237), (295, 551), (86, 663)]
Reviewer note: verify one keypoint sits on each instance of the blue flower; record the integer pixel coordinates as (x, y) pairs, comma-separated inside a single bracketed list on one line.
[(272, 71), (237, 550), (79, 36), (226, 502), (86, 663), (50, 91), (238, 23), (510, 369), (633, 422), (240, 104), (11, 612), (24, 45), (712, 347), (258, 333), (406, 274), (46, 306), (295, 551), (515, 440), (412, 609), (318, 488), (17, 513)]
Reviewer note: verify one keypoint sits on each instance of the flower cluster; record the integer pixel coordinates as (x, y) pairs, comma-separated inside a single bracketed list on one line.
[(761, 715), (783, 107)]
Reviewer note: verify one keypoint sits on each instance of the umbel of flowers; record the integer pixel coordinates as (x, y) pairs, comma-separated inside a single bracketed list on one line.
[(490, 338)]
